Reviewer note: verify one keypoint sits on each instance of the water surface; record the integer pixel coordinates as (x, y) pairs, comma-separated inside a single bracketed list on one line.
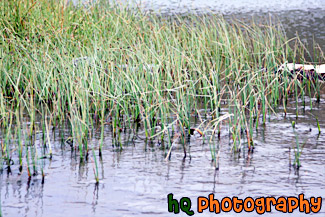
[(135, 181), (305, 17)]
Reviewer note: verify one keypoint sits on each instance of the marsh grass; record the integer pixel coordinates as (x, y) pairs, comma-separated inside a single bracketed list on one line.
[(103, 65)]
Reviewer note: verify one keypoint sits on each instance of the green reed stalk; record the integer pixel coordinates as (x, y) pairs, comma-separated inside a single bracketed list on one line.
[(95, 167), (318, 126), (19, 137), (102, 128), (297, 163), (296, 95)]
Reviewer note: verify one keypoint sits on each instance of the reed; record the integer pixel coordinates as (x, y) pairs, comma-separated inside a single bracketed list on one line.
[(109, 66), (95, 166), (318, 126), (297, 150)]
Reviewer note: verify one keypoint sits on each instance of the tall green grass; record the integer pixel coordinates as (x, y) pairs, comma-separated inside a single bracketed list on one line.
[(103, 65)]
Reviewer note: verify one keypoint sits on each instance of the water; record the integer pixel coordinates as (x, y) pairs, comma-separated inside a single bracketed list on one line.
[(135, 181), (305, 18), (234, 6)]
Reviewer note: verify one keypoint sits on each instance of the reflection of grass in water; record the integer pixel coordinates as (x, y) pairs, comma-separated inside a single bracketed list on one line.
[(101, 66)]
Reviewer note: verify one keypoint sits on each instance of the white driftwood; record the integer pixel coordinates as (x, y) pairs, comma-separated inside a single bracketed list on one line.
[(319, 69)]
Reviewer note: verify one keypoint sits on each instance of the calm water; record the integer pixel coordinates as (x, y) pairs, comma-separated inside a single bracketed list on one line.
[(136, 180), (305, 17)]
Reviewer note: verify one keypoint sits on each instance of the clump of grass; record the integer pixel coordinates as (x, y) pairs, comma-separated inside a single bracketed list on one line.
[(108, 65)]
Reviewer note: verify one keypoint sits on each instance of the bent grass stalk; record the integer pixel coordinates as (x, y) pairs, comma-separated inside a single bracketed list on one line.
[(48, 134)]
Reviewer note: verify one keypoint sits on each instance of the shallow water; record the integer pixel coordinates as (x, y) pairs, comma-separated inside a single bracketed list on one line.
[(136, 180)]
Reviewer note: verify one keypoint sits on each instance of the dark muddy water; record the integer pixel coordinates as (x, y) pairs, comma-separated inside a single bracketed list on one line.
[(135, 181)]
